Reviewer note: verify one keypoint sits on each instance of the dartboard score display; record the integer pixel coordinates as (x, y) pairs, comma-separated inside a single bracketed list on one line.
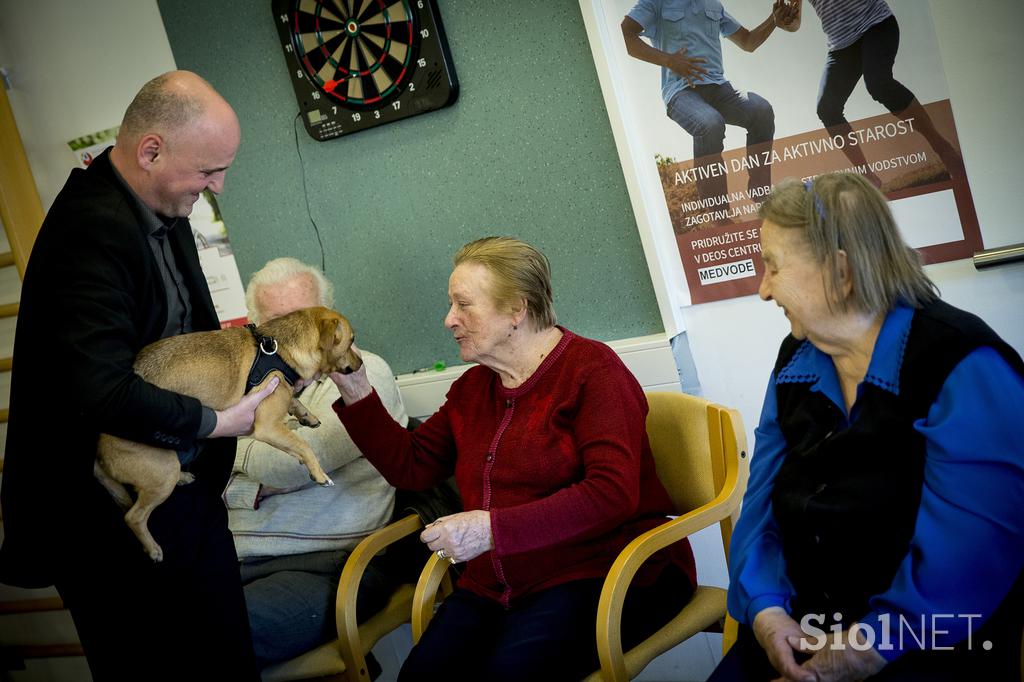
[(356, 64)]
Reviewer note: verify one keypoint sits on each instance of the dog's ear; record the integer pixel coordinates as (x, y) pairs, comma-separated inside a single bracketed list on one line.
[(332, 331)]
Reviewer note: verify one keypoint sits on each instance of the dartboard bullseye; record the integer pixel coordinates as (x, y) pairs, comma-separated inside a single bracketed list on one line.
[(362, 63)]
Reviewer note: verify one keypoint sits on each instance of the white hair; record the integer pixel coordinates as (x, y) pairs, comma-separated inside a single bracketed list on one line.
[(281, 270)]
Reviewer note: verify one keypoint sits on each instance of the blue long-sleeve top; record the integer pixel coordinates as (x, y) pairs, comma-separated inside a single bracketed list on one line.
[(968, 542)]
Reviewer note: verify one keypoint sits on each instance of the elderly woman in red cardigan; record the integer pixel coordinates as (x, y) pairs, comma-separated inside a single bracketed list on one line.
[(547, 443)]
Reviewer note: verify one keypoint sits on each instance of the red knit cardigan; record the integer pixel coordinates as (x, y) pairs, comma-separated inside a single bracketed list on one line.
[(562, 463)]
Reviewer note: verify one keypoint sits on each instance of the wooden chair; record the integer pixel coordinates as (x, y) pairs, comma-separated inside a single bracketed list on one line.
[(345, 657), (701, 457)]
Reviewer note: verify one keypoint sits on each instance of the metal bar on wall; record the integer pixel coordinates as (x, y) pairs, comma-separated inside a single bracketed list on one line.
[(999, 255)]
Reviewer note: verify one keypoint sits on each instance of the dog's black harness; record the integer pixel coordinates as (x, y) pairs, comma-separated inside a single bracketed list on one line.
[(267, 360)]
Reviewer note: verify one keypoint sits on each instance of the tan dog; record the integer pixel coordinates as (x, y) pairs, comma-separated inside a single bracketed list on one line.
[(213, 367)]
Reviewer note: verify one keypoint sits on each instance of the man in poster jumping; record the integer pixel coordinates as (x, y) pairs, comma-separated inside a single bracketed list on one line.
[(685, 41)]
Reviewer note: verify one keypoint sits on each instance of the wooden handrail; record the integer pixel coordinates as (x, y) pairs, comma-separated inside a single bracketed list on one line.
[(21, 210), (6, 259), (6, 364), (9, 310), (13, 606), (23, 651)]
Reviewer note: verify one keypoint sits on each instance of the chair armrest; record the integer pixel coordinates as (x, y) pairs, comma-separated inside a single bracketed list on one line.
[(730, 633), (632, 557), (433, 575), (348, 586)]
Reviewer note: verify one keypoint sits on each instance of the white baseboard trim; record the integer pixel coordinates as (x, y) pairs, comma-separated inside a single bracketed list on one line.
[(649, 358)]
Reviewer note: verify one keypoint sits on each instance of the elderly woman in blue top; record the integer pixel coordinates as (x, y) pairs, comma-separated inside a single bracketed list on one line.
[(686, 43), (882, 532)]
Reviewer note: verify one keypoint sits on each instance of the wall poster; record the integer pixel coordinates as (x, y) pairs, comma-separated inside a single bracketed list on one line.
[(712, 101)]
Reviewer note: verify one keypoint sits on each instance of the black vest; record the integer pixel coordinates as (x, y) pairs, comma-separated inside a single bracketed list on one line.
[(846, 496)]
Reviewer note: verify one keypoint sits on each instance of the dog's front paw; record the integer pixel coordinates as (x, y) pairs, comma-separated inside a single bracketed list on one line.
[(327, 482), (185, 477), (155, 553)]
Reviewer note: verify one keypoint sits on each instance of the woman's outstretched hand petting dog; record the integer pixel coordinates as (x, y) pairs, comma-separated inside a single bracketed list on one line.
[(354, 386)]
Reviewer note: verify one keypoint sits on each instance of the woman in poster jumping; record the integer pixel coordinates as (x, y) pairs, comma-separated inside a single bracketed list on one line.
[(863, 38)]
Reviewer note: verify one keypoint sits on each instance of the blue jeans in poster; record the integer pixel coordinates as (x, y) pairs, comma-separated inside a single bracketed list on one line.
[(704, 111)]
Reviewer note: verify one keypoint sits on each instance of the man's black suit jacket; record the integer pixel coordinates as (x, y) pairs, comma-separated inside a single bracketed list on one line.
[(92, 297)]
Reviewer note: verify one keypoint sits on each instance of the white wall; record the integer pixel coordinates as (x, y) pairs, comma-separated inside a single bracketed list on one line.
[(649, 358), (74, 67)]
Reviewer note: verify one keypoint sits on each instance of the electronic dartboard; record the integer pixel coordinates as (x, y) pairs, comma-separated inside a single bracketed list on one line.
[(356, 64)]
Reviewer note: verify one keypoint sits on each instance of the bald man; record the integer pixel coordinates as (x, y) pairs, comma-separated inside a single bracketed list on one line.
[(115, 268)]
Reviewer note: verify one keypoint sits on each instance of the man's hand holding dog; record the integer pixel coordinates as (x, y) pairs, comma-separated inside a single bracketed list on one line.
[(237, 420)]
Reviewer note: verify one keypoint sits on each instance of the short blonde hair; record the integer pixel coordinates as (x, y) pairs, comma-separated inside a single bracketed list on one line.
[(519, 272), (844, 211), (280, 270)]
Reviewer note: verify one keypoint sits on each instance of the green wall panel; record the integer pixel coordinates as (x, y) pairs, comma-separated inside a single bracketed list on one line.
[(525, 151)]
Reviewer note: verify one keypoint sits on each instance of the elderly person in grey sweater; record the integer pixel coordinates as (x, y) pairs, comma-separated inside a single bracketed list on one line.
[(291, 535)]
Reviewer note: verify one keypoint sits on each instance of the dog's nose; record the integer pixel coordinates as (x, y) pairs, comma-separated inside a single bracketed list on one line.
[(346, 370)]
